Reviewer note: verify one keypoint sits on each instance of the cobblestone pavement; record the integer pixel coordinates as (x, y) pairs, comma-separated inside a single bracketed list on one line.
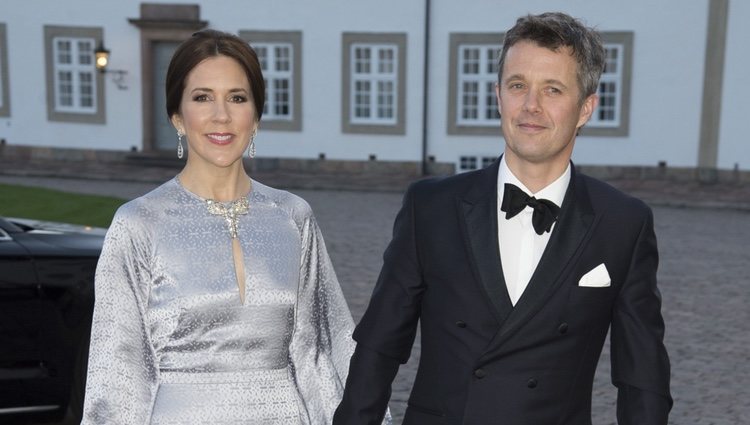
[(703, 278)]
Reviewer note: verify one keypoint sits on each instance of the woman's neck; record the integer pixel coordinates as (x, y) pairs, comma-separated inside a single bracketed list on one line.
[(219, 184)]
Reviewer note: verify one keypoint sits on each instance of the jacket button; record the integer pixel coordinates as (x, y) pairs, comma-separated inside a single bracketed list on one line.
[(461, 324), (532, 383), (480, 373), (563, 328)]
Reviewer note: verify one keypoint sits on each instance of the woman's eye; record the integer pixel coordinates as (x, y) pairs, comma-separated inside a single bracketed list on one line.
[(200, 98), (239, 99)]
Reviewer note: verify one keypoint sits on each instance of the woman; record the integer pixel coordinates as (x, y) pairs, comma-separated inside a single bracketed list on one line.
[(216, 301)]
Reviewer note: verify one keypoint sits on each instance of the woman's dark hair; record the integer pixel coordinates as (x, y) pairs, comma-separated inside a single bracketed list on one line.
[(207, 44)]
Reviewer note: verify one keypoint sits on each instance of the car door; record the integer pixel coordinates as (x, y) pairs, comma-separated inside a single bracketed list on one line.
[(23, 369), (46, 300)]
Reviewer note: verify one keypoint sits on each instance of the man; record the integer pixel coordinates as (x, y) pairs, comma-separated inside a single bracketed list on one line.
[(515, 294)]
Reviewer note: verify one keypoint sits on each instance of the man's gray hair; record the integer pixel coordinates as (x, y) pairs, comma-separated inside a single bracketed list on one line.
[(554, 30)]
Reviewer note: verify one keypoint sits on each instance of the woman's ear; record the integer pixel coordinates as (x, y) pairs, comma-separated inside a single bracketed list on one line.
[(177, 123)]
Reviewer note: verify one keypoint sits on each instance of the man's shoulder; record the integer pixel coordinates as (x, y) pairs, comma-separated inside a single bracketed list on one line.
[(449, 185), (605, 196)]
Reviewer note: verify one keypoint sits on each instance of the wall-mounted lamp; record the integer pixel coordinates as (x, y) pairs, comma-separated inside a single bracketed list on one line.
[(102, 60)]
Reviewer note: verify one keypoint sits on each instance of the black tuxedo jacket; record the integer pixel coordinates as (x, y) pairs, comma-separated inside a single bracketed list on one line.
[(484, 361)]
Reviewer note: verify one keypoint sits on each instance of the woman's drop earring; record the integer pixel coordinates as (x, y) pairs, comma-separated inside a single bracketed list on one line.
[(251, 146), (180, 150)]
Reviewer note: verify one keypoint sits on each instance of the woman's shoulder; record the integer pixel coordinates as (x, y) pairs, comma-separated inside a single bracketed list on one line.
[(145, 208), (292, 204)]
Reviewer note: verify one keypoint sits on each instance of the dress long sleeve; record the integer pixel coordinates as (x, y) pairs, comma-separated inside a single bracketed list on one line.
[(122, 373), (321, 345)]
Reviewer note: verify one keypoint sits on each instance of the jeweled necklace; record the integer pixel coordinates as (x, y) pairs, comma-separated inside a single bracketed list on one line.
[(230, 211)]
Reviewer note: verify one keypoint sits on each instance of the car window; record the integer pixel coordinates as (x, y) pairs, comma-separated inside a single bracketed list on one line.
[(4, 236)]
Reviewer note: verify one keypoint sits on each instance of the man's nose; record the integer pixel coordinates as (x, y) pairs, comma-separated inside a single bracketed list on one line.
[(531, 102)]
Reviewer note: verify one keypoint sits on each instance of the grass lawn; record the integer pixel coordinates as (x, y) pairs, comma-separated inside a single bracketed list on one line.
[(53, 205)]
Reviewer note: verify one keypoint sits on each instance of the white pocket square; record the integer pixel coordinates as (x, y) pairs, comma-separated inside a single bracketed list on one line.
[(598, 277)]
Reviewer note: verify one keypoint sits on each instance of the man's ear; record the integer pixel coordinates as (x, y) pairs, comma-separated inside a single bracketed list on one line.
[(497, 98), (587, 108)]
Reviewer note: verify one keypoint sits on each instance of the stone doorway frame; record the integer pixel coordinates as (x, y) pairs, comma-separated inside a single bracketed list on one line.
[(160, 22)]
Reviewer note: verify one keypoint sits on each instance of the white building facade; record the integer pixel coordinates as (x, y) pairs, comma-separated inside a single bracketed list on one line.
[(391, 82)]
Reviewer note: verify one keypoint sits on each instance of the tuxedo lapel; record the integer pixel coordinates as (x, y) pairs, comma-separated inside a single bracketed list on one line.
[(478, 210), (572, 229)]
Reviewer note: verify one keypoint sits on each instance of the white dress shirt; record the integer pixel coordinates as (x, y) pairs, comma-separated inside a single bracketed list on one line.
[(520, 246)]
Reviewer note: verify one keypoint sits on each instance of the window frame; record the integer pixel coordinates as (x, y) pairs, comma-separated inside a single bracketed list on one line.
[(624, 39), (380, 41), (98, 116), (291, 39), (4, 78), (457, 126)]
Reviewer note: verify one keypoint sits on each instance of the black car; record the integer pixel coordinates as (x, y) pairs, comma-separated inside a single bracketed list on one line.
[(46, 303)]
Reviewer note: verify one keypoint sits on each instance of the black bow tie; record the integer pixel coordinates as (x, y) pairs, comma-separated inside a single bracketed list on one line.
[(545, 211)]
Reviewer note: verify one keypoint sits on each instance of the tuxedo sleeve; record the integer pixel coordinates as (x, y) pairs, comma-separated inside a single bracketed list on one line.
[(640, 365), (386, 333)]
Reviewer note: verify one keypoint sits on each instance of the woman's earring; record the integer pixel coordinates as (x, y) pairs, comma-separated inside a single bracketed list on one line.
[(251, 146), (180, 150)]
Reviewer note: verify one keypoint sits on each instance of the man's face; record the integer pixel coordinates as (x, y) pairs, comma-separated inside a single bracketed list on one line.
[(538, 100)]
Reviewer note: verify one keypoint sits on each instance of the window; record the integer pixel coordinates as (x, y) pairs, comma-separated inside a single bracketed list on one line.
[(75, 90), (612, 115), (467, 163), (608, 111), (472, 106), (374, 83), (280, 56), (477, 74), (74, 74), (473, 162), (4, 92), (276, 62)]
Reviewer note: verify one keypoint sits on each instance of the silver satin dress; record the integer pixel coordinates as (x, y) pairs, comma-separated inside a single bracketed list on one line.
[(171, 342)]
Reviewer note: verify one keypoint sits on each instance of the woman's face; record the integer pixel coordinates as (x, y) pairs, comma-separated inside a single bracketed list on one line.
[(217, 113)]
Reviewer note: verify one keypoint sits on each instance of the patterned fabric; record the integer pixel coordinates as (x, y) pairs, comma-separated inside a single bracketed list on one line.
[(172, 343)]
